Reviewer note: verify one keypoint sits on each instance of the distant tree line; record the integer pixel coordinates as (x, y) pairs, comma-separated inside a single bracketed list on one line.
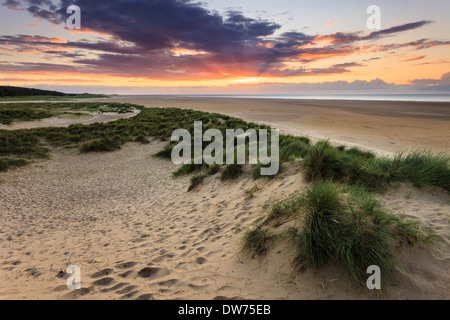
[(7, 91)]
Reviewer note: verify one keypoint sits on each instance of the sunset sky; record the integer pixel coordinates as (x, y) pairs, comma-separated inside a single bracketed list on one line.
[(226, 46)]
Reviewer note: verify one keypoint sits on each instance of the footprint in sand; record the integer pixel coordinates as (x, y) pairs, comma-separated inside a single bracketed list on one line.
[(168, 283), (77, 293), (115, 288), (129, 295), (102, 273), (34, 272), (127, 289), (148, 272), (147, 296), (197, 287), (200, 260), (104, 281), (126, 265), (126, 274)]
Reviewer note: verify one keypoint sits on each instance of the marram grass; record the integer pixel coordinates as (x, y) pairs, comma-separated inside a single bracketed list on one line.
[(351, 228)]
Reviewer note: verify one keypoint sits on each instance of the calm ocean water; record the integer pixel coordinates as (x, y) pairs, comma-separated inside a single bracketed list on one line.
[(381, 97)]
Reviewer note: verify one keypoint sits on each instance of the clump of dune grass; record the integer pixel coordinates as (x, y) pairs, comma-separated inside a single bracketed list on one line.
[(142, 139), (365, 172), (352, 229), (188, 168), (359, 153), (257, 240), (405, 230), (231, 171), (196, 180), (292, 147), (251, 192), (165, 153), (321, 226), (6, 163), (103, 145), (21, 143), (322, 162), (422, 168), (213, 169), (256, 171)]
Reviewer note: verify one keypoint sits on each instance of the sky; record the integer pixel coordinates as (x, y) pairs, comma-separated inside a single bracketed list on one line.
[(226, 46)]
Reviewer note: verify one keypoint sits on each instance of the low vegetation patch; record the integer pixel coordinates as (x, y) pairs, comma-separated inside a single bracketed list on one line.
[(30, 111), (231, 171), (196, 180), (6, 163), (422, 168), (256, 241), (103, 145), (188, 168), (8, 115)]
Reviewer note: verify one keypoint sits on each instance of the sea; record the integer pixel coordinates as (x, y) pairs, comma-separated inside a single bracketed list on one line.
[(371, 97)]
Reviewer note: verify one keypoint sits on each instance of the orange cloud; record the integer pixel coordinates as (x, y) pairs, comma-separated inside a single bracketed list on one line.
[(44, 39), (330, 23), (35, 24), (86, 30), (186, 52)]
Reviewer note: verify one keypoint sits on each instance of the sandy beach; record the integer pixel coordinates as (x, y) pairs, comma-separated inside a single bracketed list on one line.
[(385, 127), (137, 233)]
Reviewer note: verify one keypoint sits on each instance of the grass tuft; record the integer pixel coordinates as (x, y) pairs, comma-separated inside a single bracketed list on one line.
[(6, 163), (257, 240), (422, 168), (103, 145), (142, 139), (213, 169), (231, 171), (165, 153), (196, 180), (188, 168), (349, 226), (322, 162)]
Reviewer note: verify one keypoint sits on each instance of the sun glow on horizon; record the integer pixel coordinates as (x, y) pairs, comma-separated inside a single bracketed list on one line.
[(246, 80)]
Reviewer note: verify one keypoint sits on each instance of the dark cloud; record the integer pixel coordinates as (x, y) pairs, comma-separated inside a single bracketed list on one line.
[(348, 38), (64, 54), (293, 39), (396, 29), (12, 4), (163, 24)]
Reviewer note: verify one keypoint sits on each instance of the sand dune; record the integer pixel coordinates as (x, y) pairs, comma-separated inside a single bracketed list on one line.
[(136, 233)]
